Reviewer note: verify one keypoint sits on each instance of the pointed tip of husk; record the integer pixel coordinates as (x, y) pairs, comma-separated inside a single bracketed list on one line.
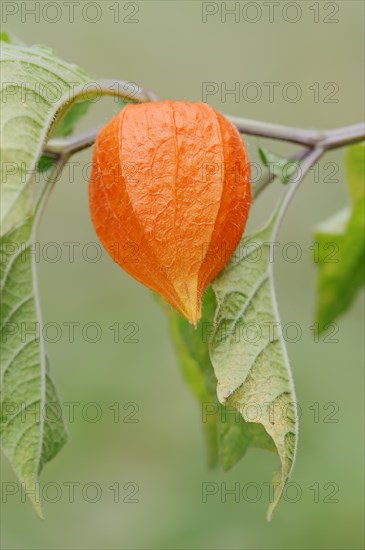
[(193, 314), (187, 299)]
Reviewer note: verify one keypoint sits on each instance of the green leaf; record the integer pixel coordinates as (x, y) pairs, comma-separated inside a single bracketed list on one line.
[(283, 168), (10, 38), (248, 352), (228, 436), (37, 89), (5, 37), (340, 246), (32, 429)]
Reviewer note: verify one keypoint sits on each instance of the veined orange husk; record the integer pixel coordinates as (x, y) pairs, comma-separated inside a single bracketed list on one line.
[(169, 196)]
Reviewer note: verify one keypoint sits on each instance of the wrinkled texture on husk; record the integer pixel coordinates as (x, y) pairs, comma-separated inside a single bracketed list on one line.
[(169, 196)]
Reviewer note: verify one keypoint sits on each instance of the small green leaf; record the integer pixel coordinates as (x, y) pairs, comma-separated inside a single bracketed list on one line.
[(283, 168), (10, 38), (248, 352), (5, 37), (32, 429), (340, 246)]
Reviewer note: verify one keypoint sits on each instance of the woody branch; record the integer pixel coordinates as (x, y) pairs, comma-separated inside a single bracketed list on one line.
[(318, 140)]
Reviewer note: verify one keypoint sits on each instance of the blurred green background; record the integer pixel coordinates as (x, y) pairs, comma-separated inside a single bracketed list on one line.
[(172, 51)]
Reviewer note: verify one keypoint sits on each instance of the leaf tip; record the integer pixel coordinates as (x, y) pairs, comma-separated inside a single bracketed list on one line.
[(36, 503)]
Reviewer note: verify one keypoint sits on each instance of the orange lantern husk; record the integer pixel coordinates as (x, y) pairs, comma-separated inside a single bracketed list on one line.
[(169, 196)]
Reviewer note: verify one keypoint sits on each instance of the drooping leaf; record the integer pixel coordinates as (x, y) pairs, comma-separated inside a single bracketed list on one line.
[(279, 166), (32, 429), (340, 247), (228, 436), (37, 89), (248, 352)]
